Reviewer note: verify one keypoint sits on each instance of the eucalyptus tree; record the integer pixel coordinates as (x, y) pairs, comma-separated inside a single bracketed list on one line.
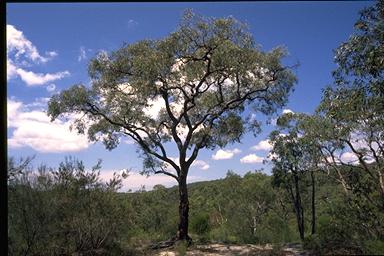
[(295, 155), (188, 90), (353, 108)]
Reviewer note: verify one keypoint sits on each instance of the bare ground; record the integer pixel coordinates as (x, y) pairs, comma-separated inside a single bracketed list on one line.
[(218, 249)]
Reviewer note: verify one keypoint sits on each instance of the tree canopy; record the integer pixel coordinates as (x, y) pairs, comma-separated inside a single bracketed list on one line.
[(190, 87), (353, 109)]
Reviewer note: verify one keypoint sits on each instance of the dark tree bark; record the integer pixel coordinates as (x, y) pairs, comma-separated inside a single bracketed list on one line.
[(182, 232), (299, 209), (313, 204), (296, 200)]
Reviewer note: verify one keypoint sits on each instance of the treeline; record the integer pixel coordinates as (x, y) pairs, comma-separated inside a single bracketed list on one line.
[(69, 210)]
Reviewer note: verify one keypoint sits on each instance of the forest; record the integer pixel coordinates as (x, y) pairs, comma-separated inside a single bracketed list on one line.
[(326, 188)]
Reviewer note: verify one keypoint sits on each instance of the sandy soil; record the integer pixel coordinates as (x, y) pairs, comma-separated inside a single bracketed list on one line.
[(230, 250)]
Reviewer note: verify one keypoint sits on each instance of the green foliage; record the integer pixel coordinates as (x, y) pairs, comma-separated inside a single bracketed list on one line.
[(353, 109), (200, 224), (206, 74), (16, 168), (351, 117), (202, 76), (63, 211), (374, 247), (344, 138)]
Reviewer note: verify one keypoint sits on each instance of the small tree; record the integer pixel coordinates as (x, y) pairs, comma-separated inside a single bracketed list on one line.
[(200, 78), (295, 155)]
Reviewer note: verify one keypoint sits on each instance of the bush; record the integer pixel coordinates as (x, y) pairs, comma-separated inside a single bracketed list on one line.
[(312, 243), (374, 247), (199, 224), (64, 211), (333, 237)]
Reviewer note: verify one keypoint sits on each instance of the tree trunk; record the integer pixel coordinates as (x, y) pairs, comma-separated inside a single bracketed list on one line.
[(313, 204), (300, 219), (182, 232), (299, 208), (254, 226)]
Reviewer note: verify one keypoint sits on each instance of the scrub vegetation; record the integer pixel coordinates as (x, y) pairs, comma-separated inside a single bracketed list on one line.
[(326, 189)]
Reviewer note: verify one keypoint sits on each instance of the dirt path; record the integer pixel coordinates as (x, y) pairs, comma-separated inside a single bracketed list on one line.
[(218, 249)]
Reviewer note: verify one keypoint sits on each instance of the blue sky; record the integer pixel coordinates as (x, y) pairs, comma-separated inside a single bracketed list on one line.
[(49, 46)]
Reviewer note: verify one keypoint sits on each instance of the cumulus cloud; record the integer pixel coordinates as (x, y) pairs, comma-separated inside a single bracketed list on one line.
[(11, 69), (38, 104), (135, 180), (154, 107), (19, 45), (32, 128), (251, 159), (286, 111), (263, 145), (31, 78), (225, 154), (201, 164), (349, 157), (22, 53)]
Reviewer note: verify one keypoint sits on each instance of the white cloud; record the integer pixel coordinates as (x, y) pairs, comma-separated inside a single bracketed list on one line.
[(201, 164), (251, 159), (263, 145), (22, 53), (32, 128), (128, 141), (11, 69), (13, 108), (349, 157), (132, 23), (51, 87), (225, 154), (135, 180), (31, 78), (18, 44), (154, 107), (83, 53), (274, 121), (52, 54), (38, 104), (286, 111)]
